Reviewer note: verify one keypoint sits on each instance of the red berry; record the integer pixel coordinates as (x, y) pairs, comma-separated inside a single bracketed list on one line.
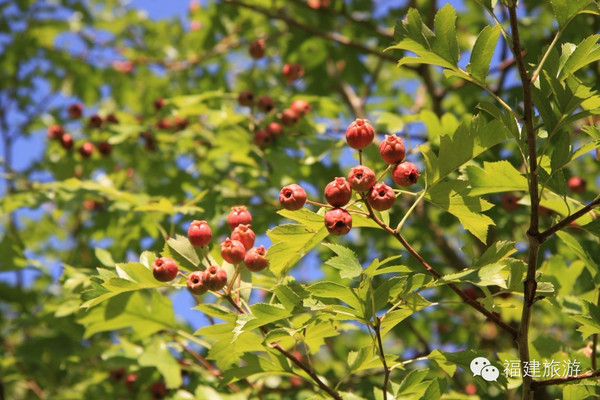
[(292, 197), (158, 390), (392, 149), (181, 123), (159, 103), (338, 221), (95, 121), (318, 4), (215, 278), (265, 104), (243, 234), (292, 71), (510, 202), (361, 178), (105, 148), (66, 140), (149, 140), (381, 197), (232, 251), (405, 174), (199, 233), (275, 129), (112, 119), (86, 149), (263, 138), (302, 107), (338, 192), (246, 99), (55, 132), (238, 215), (164, 124), (75, 110), (195, 283), (117, 374), (289, 117), (130, 381), (255, 259), (164, 269), (360, 134), (577, 184), (257, 49)]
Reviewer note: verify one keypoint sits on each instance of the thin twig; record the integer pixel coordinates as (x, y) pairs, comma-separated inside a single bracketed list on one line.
[(563, 380), (386, 378), (330, 391), (567, 220), (334, 36), (466, 299)]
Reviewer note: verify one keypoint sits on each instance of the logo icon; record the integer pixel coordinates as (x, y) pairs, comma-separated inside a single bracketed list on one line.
[(481, 366)]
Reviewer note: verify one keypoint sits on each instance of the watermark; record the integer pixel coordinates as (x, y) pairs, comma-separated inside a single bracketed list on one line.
[(481, 366), (547, 369)]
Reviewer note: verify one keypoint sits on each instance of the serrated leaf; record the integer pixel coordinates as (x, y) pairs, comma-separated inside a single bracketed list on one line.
[(184, 253), (483, 51), (104, 257), (468, 209), (587, 52), (488, 275), (446, 42), (291, 242), (345, 261), (565, 10), (495, 177), (496, 252), (579, 251)]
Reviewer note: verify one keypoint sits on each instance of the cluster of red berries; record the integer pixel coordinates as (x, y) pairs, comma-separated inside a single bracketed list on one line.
[(361, 178), (237, 248), (75, 111), (158, 390), (263, 136)]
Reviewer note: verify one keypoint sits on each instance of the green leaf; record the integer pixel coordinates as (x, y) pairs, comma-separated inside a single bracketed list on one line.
[(345, 261), (104, 256), (131, 277), (159, 356), (291, 242), (488, 275), (332, 290), (576, 247), (184, 253), (587, 52), (464, 145), (446, 42), (291, 295), (131, 310), (468, 209), (413, 35), (496, 252), (483, 51), (495, 177), (565, 10), (305, 217)]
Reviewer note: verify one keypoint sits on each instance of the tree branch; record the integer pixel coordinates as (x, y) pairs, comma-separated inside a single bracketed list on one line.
[(334, 36), (530, 284), (330, 391), (466, 299), (386, 378), (567, 220), (567, 379)]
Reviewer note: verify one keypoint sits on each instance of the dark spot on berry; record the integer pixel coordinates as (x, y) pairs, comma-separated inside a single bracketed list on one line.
[(339, 224), (382, 193), (359, 176), (412, 177)]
